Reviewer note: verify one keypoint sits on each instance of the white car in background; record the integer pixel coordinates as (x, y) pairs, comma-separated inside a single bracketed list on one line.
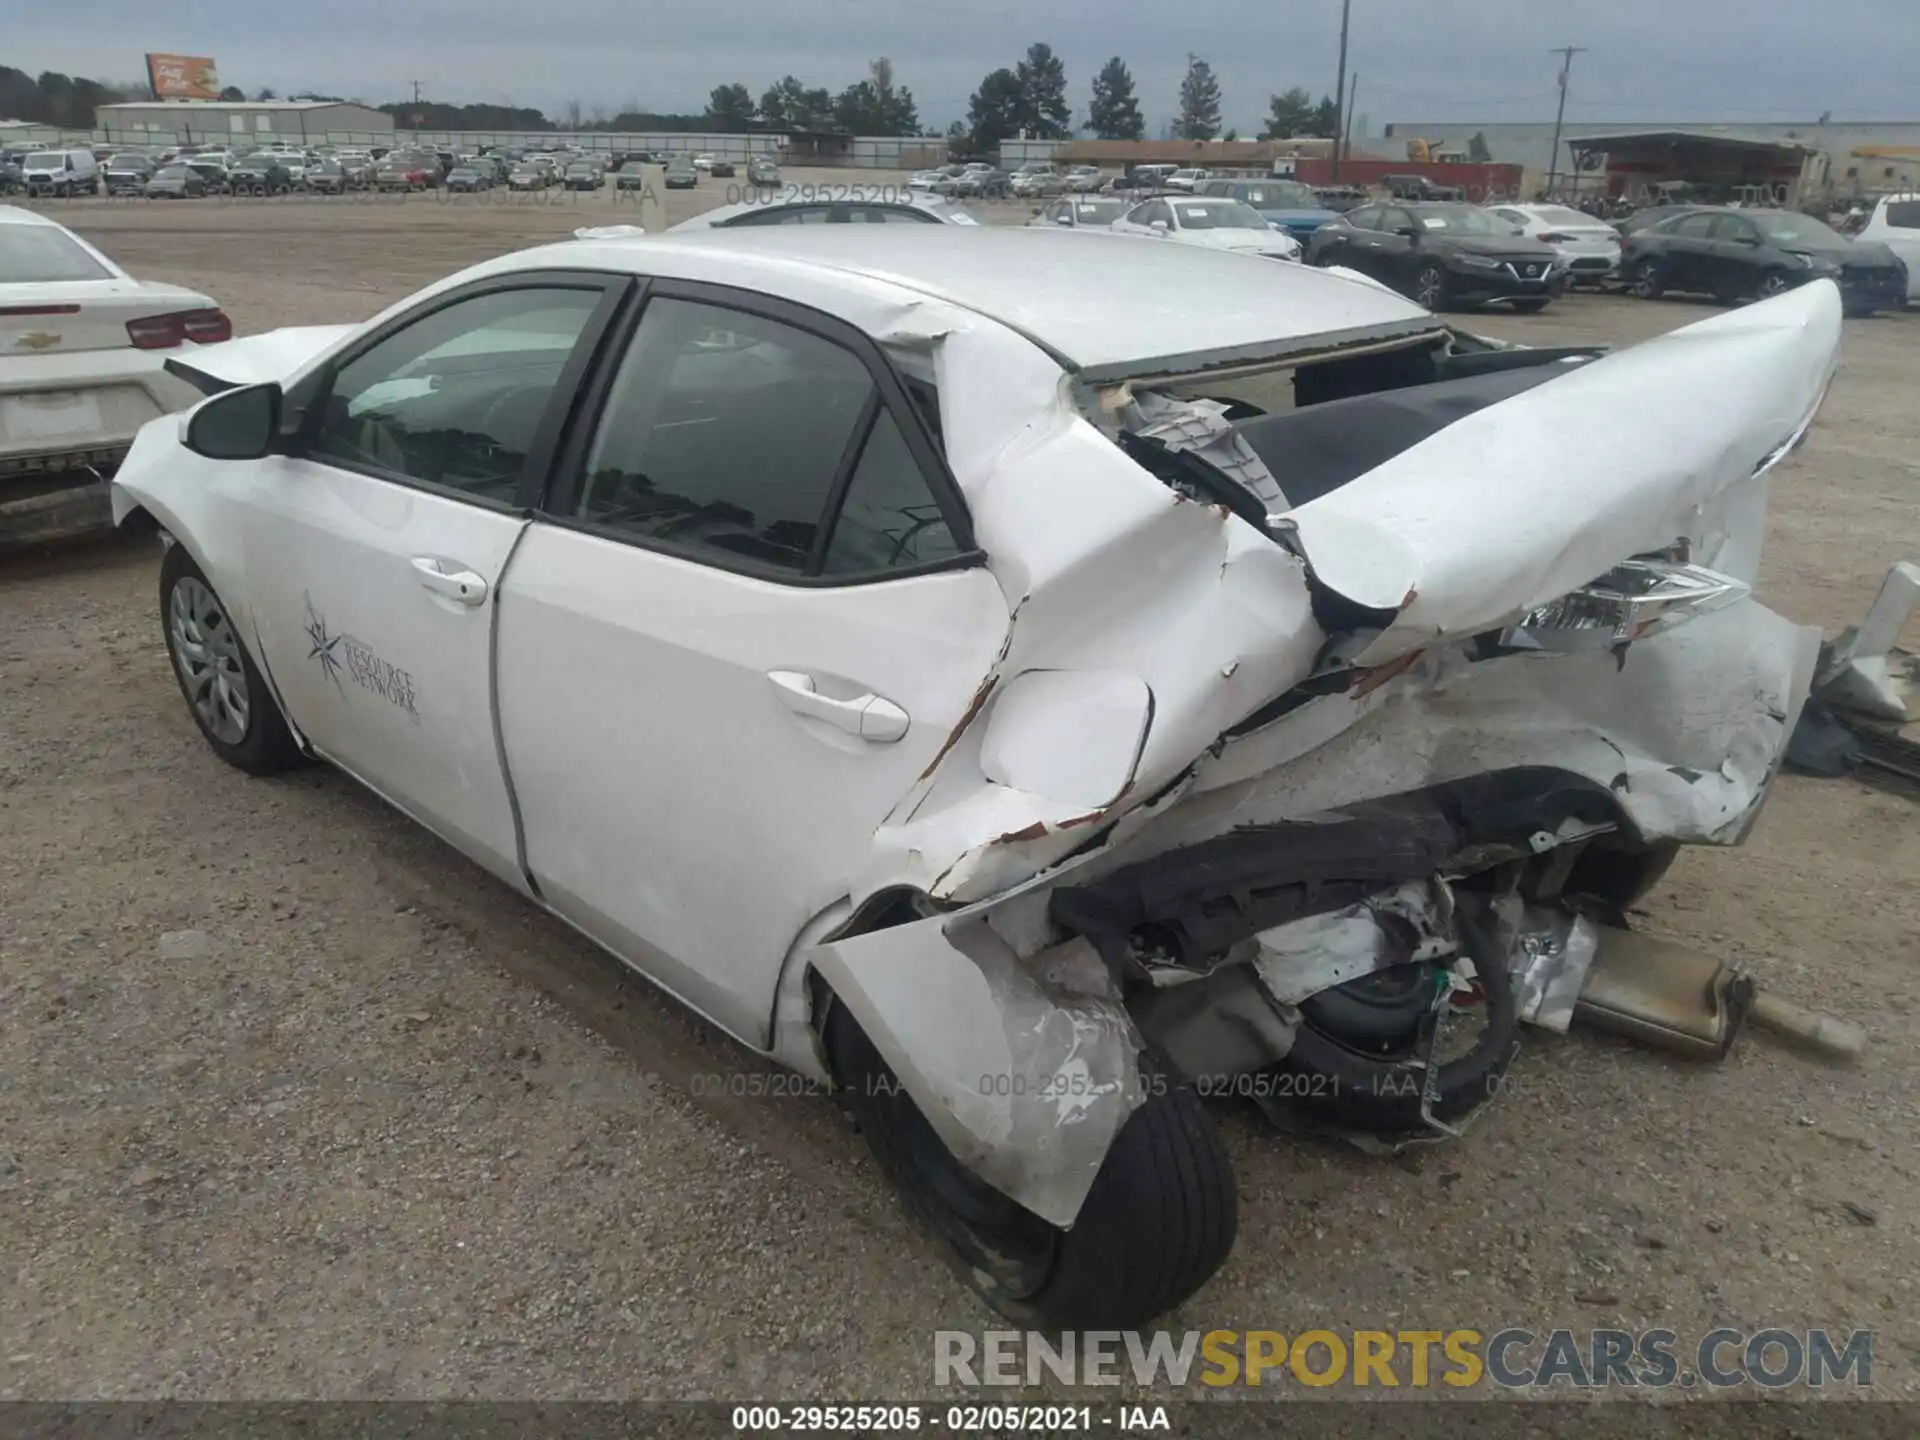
[(1188, 178), (1589, 248), (83, 351), (802, 616), (1210, 224), (1895, 223), (1080, 212), (859, 205)]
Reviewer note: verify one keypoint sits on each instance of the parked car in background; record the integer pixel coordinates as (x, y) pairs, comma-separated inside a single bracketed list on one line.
[(681, 174), (1285, 204), (981, 182), (1341, 198), (1442, 255), (12, 164), (1734, 253), (721, 169), (128, 173), (929, 181), (880, 207), (175, 182), (212, 173), (877, 690), (61, 173), (1147, 177), (1211, 224), (632, 175), (1084, 179), (584, 175), (405, 174), (703, 162), (528, 176), (1589, 248), (1036, 180), (326, 177), (1187, 178), (260, 175), (1895, 223), (1648, 216), (1418, 187), (1081, 212), (83, 348), (468, 180), (762, 171)]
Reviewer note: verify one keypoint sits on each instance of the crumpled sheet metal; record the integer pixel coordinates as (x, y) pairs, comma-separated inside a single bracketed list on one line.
[(1027, 1082), (1686, 733), (1200, 427), (1552, 949), (1300, 959)]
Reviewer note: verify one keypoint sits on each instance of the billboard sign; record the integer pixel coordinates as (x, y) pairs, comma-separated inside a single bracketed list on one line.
[(183, 77)]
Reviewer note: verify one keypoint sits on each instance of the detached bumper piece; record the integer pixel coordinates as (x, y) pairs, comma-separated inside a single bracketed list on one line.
[(1864, 711)]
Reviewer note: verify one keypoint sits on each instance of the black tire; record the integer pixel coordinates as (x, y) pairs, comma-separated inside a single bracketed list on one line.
[(1648, 280), (1158, 1222), (1528, 307), (266, 747), (1430, 280)]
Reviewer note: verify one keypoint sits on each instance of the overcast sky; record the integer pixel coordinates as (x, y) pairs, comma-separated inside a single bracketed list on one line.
[(1418, 60)]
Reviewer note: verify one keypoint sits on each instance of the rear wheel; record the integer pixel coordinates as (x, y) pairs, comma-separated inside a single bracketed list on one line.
[(224, 691), (1774, 282), (1157, 1223), (1430, 285), (1649, 280)]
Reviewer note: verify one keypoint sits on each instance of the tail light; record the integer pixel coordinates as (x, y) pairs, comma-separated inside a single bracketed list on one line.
[(163, 332), (1634, 600)]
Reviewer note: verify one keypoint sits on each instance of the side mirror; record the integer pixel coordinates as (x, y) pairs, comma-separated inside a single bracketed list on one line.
[(237, 425), (1159, 225), (1745, 240), (1412, 232)]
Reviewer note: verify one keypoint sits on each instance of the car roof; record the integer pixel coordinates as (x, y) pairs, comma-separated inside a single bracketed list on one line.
[(882, 199), (14, 215), (1117, 306)]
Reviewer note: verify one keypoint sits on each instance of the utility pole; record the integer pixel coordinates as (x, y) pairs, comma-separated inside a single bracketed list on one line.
[(1353, 103), (416, 90), (1566, 52), (1340, 85)]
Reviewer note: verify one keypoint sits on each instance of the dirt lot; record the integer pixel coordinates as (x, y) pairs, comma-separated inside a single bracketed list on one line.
[(295, 1102)]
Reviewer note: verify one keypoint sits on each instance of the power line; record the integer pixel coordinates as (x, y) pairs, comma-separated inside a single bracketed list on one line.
[(1566, 52)]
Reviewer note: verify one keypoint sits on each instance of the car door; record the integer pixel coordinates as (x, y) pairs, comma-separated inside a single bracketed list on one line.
[(373, 548), (1338, 243), (738, 635), (1394, 254), (1687, 245), (1735, 259)]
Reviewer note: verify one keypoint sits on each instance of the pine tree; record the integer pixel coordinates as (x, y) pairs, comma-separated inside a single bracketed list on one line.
[(1114, 113), (1199, 102)]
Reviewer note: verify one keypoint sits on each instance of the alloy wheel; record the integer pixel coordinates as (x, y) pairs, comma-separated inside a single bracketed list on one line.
[(207, 653), (1773, 285), (1430, 287)]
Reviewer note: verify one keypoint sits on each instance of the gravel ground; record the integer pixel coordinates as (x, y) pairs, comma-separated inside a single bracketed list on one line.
[(295, 1102)]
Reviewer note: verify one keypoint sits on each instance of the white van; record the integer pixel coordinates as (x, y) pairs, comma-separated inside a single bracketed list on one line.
[(61, 172)]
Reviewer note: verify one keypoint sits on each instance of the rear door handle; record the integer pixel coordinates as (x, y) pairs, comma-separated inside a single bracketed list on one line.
[(870, 716), (451, 579)]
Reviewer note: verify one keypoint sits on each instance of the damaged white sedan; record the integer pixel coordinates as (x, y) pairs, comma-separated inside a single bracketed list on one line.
[(1026, 694)]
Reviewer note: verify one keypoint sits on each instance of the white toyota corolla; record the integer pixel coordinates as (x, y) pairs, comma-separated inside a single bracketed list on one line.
[(1022, 710)]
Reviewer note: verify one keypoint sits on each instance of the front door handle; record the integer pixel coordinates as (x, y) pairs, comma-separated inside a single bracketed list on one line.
[(450, 579), (869, 716)]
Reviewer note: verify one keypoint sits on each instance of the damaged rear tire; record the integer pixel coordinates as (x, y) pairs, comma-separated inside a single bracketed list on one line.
[(1158, 1222)]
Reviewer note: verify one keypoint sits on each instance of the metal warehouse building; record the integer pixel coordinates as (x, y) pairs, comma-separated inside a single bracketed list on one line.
[(204, 120), (1851, 148)]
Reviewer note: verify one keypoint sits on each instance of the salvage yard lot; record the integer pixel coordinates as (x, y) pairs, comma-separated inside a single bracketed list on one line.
[(294, 1101)]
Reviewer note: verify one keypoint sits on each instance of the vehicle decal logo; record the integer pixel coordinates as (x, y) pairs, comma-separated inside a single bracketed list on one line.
[(38, 340), (345, 655)]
